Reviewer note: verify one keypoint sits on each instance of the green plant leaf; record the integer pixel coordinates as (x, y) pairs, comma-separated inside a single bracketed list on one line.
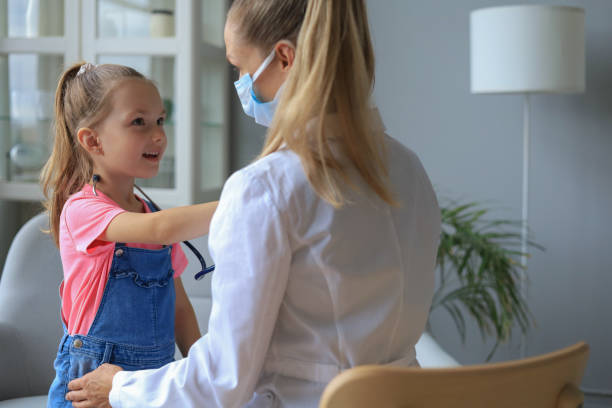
[(480, 254)]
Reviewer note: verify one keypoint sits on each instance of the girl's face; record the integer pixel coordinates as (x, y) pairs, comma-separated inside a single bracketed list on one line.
[(132, 135), (246, 58)]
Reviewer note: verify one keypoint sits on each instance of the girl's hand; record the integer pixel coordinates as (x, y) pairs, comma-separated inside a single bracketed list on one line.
[(92, 390)]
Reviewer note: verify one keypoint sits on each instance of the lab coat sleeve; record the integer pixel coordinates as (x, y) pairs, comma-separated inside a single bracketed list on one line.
[(249, 244)]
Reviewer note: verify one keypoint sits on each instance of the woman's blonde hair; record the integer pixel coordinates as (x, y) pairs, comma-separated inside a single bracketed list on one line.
[(333, 72), (81, 100)]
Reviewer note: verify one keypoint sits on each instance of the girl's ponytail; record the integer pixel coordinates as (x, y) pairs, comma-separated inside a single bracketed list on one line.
[(69, 167)]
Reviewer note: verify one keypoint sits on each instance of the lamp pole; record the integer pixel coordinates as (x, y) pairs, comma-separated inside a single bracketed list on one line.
[(525, 211)]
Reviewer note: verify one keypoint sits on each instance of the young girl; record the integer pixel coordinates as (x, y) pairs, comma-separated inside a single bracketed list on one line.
[(122, 297)]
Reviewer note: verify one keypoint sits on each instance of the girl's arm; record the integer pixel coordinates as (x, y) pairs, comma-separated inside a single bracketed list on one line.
[(163, 227), (186, 330)]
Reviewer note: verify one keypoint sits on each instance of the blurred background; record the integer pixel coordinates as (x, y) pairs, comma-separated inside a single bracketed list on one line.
[(470, 145)]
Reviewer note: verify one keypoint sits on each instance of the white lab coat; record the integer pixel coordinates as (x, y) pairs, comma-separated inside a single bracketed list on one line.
[(302, 291)]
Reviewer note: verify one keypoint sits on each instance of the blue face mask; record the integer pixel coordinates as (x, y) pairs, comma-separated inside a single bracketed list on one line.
[(263, 112)]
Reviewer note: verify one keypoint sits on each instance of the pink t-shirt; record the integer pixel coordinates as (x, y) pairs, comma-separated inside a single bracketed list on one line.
[(87, 260)]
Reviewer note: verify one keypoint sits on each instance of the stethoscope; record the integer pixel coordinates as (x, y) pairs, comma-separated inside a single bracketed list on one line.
[(205, 269)]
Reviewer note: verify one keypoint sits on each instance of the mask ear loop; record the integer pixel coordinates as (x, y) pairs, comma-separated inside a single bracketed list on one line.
[(264, 65)]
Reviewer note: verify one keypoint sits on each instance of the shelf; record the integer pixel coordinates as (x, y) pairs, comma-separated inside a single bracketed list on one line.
[(202, 124), (212, 194), (164, 197), (151, 46), (212, 124), (137, 46), (41, 45), (32, 119), (10, 190)]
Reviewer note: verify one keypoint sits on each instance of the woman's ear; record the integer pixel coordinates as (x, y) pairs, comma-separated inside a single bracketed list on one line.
[(285, 51), (89, 141)]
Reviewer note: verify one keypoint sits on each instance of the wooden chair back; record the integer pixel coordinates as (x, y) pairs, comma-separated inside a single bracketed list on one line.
[(545, 381)]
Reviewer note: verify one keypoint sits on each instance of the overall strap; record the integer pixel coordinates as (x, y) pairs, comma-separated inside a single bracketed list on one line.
[(151, 206)]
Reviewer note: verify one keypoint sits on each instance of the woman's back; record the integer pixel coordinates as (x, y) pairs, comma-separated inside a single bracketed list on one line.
[(361, 278)]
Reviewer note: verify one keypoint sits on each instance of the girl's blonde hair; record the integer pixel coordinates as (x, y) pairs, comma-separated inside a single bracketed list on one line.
[(333, 72), (81, 100)]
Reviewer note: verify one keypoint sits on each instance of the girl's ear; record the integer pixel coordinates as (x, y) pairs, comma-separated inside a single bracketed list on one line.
[(89, 141), (285, 52)]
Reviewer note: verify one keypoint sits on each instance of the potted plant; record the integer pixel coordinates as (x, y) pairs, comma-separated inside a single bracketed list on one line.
[(479, 270)]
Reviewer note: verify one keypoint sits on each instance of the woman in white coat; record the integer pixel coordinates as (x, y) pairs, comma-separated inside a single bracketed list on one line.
[(324, 246)]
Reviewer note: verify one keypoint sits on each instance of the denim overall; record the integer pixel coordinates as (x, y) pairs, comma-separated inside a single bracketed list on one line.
[(134, 325)]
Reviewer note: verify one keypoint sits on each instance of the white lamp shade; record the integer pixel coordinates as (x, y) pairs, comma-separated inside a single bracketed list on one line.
[(533, 48)]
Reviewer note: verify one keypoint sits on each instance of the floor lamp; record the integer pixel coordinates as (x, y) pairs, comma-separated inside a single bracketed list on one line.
[(527, 49)]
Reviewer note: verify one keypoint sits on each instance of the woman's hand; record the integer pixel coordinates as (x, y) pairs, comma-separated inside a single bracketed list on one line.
[(91, 390)]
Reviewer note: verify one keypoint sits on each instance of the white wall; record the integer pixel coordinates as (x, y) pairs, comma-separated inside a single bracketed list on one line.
[(471, 145)]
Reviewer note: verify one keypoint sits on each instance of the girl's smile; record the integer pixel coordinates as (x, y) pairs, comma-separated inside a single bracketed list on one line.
[(152, 156)]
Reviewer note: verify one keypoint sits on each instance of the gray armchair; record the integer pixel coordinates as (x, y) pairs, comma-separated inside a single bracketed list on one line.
[(29, 316)]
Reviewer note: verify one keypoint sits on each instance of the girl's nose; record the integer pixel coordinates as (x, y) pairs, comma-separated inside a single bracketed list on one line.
[(159, 135)]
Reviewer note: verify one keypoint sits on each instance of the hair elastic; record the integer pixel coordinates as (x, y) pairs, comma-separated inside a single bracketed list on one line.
[(85, 68)]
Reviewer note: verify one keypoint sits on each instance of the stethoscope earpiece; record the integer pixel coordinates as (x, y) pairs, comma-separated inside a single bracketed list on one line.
[(205, 269)]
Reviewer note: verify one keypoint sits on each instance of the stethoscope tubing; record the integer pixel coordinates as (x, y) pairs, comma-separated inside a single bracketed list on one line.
[(205, 269)]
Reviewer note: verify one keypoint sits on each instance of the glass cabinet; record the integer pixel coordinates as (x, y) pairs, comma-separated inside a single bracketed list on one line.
[(34, 46), (176, 43)]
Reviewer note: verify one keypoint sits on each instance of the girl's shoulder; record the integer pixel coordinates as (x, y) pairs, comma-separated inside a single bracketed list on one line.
[(84, 217), (86, 197), (86, 207)]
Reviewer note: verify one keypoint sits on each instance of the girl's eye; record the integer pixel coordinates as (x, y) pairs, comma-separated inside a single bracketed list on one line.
[(160, 121), (138, 122)]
